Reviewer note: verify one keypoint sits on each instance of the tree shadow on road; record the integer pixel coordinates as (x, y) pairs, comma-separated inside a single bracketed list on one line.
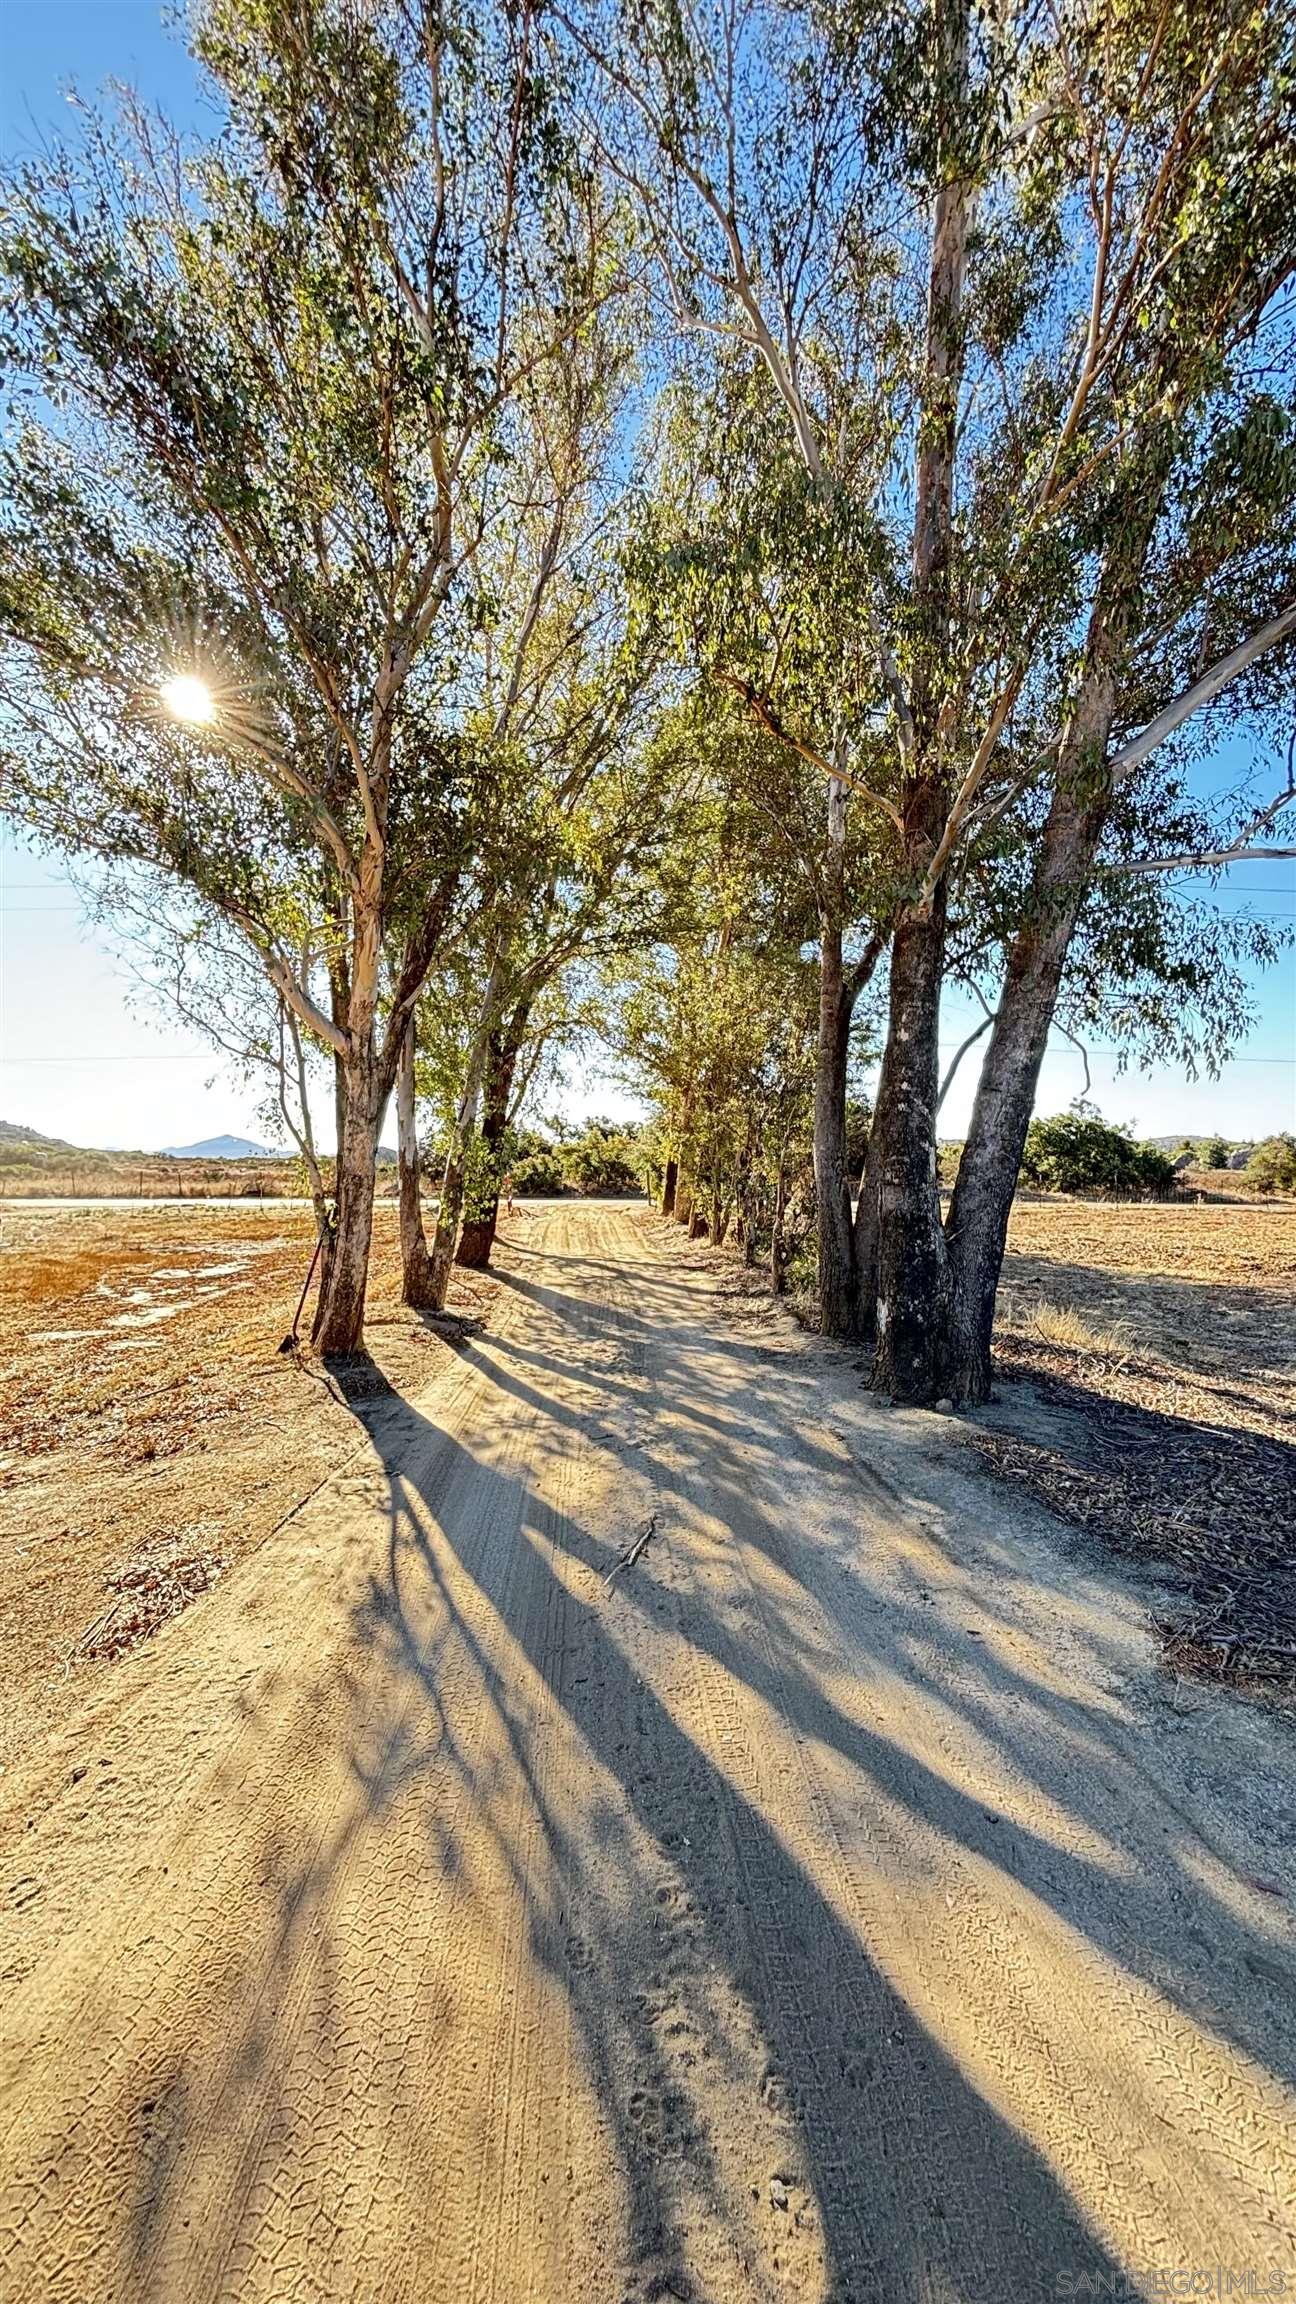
[(524, 1739), (675, 1900), (1151, 1925)]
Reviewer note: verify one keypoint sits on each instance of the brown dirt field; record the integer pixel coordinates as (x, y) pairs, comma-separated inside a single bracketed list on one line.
[(1150, 1353), (147, 1416)]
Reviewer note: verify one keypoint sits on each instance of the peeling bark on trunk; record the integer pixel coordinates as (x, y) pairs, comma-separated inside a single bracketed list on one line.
[(416, 1264), (988, 1170), (977, 1229), (449, 1211)]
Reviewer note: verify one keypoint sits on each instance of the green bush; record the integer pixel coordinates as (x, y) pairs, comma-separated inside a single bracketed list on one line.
[(1213, 1152), (1272, 1165), (604, 1159), (1077, 1151), (538, 1172)]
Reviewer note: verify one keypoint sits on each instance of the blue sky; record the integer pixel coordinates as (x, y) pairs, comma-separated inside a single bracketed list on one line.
[(84, 1057)]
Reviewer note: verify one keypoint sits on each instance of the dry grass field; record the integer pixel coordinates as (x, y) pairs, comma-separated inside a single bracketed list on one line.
[(152, 1434), (33, 1171), (1158, 1348)]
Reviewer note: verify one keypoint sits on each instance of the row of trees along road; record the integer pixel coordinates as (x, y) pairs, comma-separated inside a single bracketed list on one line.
[(750, 516)]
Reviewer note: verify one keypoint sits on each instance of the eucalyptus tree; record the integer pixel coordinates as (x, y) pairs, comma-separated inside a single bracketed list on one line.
[(993, 272), (562, 690), (581, 884), (716, 1021), (271, 387), (717, 1030), (549, 697), (768, 588)]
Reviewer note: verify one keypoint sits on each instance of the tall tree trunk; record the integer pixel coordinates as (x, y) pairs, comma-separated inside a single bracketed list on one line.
[(478, 1235), (865, 1233), (449, 1210), (450, 1206), (364, 1075), (832, 1186), (778, 1271), (683, 1193), (363, 1092), (987, 1179), (339, 1313), (416, 1265), (911, 1284), (911, 1287), (1005, 1098), (719, 1214), (670, 1180)]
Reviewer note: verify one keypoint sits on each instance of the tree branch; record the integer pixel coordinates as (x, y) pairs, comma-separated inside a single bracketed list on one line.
[(979, 1033), (1131, 756)]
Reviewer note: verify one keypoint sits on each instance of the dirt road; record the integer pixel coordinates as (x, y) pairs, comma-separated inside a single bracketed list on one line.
[(831, 1903)]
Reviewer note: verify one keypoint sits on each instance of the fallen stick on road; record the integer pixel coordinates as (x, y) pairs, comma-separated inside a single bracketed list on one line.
[(628, 1559)]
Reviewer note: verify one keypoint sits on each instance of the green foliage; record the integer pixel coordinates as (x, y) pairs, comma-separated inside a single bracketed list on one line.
[(604, 1156), (1213, 1152), (538, 1172), (305, 413), (1078, 1151), (1272, 1165)]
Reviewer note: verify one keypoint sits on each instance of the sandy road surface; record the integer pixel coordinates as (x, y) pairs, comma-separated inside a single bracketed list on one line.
[(833, 1905)]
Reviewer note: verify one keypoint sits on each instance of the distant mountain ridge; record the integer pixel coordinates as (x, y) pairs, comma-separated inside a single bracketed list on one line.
[(13, 1132), (44, 1151), (218, 1148)]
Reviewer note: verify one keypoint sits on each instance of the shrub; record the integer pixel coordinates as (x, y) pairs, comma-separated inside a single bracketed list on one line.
[(1077, 1151), (604, 1159), (538, 1172), (1213, 1152), (1272, 1165)]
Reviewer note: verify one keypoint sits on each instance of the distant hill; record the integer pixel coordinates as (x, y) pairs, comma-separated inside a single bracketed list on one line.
[(218, 1148), (12, 1132)]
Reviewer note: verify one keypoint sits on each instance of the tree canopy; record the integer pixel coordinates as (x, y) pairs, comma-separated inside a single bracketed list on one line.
[(711, 528)]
